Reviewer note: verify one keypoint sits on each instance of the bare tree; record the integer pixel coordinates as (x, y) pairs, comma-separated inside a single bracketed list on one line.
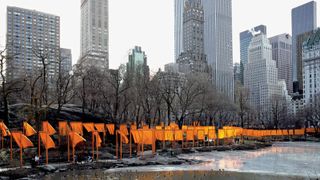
[(8, 87), (242, 97)]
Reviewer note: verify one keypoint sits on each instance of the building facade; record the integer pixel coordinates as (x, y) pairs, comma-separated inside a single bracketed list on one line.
[(66, 60), (178, 27), (193, 58), (311, 68), (236, 72), (137, 62), (261, 74), (30, 34), (245, 39), (94, 50), (303, 19), (217, 41), (282, 54)]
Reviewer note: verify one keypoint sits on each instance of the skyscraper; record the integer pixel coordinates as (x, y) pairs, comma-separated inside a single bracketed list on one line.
[(311, 68), (137, 62), (178, 27), (94, 48), (29, 34), (261, 74), (217, 41), (193, 59), (282, 54), (245, 39), (303, 19)]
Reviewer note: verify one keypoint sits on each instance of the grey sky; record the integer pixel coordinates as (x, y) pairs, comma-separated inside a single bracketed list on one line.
[(149, 24)]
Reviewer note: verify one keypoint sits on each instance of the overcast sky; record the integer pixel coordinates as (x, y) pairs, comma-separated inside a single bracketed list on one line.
[(149, 24)]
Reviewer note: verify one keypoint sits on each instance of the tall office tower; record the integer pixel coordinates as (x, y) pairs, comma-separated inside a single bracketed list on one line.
[(245, 39), (94, 50), (137, 63), (311, 68), (66, 60), (29, 34), (193, 59), (261, 74), (303, 19), (178, 27), (217, 41), (282, 54)]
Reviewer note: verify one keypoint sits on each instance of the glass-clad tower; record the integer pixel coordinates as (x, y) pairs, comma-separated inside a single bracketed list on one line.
[(304, 19)]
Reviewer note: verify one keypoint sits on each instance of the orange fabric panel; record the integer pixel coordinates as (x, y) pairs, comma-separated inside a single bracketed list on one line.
[(97, 138), (148, 137), (63, 128), (46, 127), (133, 127), (169, 135), (146, 127), (191, 128), (190, 135), (285, 132), (124, 129), (266, 133), (178, 135), (212, 134), (75, 138), (229, 133), (174, 126), (273, 132), (110, 128), (299, 132), (123, 137), (238, 132), (221, 134), (279, 132), (4, 129), (310, 130), (184, 127), (201, 135), (28, 129), (159, 134), (136, 136), (245, 132), (250, 132), (158, 127), (291, 132), (89, 127), (100, 127), (77, 127), (22, 140), (47, 140)]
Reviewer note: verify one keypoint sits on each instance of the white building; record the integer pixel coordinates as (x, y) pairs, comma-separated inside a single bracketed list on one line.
[(261, 74), (94, 48), (311, 68), (282, 54)]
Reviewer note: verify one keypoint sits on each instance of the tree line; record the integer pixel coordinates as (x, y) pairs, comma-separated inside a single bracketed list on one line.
[(125, 96)]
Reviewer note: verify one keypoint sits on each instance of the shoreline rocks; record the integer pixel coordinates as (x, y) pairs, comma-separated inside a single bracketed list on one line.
[(164, 157)]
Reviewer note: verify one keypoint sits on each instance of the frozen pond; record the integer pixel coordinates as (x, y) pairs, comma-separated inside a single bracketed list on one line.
[(285, 158)]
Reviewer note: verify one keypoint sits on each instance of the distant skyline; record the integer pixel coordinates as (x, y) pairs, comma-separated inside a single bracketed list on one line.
[(150, 24)]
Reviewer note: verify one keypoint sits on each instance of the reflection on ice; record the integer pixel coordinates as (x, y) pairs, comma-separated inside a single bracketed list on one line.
[(290, 158)]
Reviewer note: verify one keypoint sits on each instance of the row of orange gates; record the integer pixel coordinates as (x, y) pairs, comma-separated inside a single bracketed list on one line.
[(73, 131)]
